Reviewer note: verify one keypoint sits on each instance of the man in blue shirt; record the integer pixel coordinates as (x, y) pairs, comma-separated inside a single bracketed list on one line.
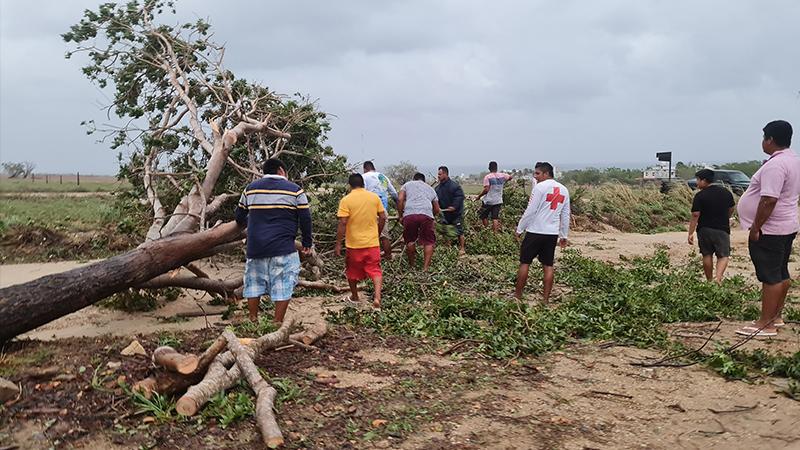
[(451, 200), (272, 208), (378, 183)]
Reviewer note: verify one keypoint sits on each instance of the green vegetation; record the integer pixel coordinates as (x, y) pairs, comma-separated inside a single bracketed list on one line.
[(631, 209), (140, 299), (58, 212), (593, 176), (471, 299), (36, 228)]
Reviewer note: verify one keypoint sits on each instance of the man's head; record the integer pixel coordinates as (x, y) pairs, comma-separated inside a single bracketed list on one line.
[(493, 166), (704, 178), (777, 136), (542, 171), (368, 166), (274, 166), (355, 181), (419, 177), (444, 174)]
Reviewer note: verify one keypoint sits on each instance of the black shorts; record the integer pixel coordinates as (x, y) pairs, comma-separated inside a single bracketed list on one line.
[(542, 246), (490, 210), (770, 255), (714, 242)]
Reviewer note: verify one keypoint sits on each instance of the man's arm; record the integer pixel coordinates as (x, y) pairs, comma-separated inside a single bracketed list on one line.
[(530, 211), (765, 207), (693, 226), (486, 186), (241, 212), (381, 221), (390, 188), (563, 231), (483, 192), (341, 229), (401, 203), (436, 209), (304, 217), (458, 199)]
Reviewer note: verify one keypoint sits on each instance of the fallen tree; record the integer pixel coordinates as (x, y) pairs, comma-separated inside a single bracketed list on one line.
[(196, 136)]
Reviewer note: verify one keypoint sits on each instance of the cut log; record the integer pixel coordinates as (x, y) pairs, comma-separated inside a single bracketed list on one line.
[(223, 373), (26, 306), (265, 394), (169, 358)]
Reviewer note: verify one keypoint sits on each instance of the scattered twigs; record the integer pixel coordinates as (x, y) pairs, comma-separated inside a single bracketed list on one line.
[(614, 394), (737, 409), (663, 361)]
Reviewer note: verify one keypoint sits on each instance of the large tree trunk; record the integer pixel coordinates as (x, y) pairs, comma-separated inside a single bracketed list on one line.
[(26, 306)]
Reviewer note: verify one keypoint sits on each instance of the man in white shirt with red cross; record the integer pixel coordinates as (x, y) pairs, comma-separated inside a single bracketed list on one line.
[(545, 225)]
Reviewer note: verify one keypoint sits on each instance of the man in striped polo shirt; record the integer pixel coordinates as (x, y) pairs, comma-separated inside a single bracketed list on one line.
[(272, 208)]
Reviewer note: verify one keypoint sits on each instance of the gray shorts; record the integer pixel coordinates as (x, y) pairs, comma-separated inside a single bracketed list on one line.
[(714, 242)]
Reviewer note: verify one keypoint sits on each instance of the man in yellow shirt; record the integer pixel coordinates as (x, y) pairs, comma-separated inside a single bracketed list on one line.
[(361, 220)]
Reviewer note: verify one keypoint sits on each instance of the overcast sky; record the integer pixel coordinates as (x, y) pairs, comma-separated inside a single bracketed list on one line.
[(453, 81)]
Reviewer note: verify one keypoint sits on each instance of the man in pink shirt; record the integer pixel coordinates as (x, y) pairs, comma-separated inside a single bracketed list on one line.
[(769, 209), (493, 184)]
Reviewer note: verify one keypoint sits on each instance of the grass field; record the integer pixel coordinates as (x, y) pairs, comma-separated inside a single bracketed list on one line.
[(56, 212), (62, 183)]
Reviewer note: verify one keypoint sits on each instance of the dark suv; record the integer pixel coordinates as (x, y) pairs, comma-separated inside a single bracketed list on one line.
[(736, 180)]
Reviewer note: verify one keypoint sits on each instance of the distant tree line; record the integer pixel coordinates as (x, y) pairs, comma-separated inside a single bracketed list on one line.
[(18, 169)]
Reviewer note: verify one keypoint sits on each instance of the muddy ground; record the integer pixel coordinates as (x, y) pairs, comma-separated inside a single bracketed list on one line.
[(590, 395)]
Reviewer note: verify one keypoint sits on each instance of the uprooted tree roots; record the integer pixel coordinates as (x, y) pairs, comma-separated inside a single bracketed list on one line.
[(200, 378)]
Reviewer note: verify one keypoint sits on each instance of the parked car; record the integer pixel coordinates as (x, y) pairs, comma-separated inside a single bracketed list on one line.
[(736, 180)]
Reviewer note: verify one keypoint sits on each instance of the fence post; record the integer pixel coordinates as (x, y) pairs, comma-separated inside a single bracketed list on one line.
[(61, 179), (79, 178), (46, 179)]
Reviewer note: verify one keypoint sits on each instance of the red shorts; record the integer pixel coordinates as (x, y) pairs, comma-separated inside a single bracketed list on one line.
[(361, 263), (419, 227)]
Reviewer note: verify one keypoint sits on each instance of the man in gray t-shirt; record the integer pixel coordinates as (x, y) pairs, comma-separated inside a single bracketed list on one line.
[(417, 206)]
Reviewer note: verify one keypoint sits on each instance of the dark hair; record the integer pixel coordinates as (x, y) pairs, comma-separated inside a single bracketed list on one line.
[(493, 166), (444, 169), (355, 180), (419, 177), (272, 165), (705, 174), (368, 165), (780, 131), (545, 167)]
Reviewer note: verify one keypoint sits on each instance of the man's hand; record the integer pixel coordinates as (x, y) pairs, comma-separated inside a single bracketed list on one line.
[(306, 251), (449, 209), (518, 237), (691, 239), (338, 249), (755, 234), (563, 242)]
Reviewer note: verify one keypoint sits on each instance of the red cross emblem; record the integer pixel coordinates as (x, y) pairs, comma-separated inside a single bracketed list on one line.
[(555, 198)]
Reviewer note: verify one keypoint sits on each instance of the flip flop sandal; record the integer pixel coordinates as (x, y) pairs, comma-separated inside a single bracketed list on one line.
[(755, 332), (777, 325), (348, 299)]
